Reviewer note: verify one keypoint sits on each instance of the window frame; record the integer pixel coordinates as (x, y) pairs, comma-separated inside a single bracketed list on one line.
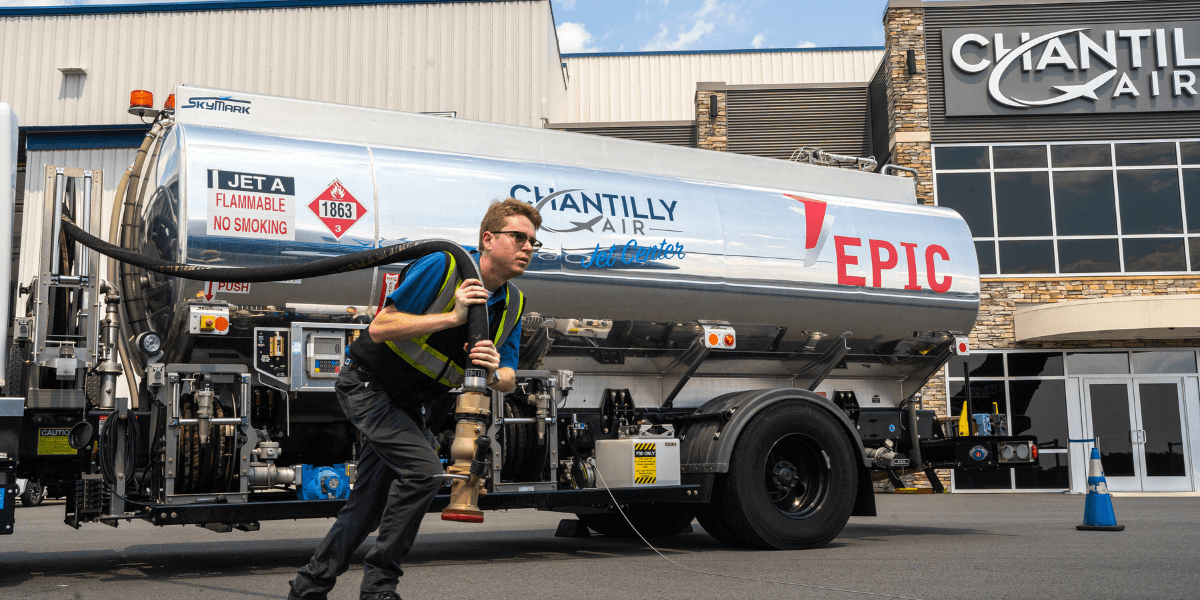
[(1189, 239)]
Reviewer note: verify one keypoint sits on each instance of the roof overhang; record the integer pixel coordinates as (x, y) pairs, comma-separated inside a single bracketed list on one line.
[(1151, 317)]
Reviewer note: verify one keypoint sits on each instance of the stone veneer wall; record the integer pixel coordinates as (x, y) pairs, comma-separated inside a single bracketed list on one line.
[(908, 97), (711, 134)]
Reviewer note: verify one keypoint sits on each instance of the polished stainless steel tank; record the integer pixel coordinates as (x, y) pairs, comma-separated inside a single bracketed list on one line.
[(634, 232)]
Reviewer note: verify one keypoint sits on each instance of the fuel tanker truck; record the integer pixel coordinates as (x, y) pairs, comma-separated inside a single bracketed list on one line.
[(704, 335)]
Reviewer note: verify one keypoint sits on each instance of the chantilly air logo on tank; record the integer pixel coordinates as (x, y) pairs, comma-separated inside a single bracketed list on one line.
[(1125, 67), (649, 222)]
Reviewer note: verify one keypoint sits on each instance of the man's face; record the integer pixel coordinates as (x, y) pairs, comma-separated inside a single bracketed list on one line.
[(510, 257)]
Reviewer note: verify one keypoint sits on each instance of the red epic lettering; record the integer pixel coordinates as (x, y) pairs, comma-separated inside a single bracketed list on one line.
[(930, 270), (884, 257), (844, 260), (878, 263), (910, 251)]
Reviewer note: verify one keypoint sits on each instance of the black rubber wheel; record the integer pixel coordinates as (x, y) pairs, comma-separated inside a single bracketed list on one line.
[(791, 482), (14, 384), (34, 494), (652, 521)]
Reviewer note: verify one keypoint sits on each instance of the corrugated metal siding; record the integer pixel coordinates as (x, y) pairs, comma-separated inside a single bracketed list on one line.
[(490, 61), (677, 133), (663, 87), (1049, 127), (112, 161), (775, 122), (880, 120)]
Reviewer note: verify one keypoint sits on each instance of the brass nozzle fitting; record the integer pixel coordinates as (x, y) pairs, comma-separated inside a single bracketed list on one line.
[(469, 452)]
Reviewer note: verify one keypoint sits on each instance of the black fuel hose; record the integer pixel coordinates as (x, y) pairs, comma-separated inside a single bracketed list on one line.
[(477, 322)]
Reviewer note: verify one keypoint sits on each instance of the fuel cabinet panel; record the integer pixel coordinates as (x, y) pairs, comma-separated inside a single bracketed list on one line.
[(638, 462)]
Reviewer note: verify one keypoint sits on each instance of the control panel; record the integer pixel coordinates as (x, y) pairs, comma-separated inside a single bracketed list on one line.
[(271, 354), (208, 320), (325, 354)]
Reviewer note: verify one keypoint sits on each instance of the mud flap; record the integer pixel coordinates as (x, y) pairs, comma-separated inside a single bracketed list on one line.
[(8, 508), (864, 501)]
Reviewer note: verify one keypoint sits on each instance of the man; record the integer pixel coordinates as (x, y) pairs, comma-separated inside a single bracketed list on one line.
[(414, 351)]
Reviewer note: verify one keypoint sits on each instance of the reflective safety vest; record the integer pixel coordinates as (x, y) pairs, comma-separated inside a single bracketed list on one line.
[(440, 355)]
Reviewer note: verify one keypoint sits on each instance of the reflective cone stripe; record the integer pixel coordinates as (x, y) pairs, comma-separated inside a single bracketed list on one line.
[(1098, 512)]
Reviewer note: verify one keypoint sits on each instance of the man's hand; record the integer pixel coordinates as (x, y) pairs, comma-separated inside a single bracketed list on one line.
[(471, 291), (485, 355)]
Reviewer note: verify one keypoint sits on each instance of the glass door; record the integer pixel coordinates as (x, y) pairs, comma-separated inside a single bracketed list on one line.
[(1160, 437), (1140, 429)]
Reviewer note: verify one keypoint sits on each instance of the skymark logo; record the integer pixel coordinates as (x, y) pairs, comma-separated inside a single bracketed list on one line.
[(222, 104)]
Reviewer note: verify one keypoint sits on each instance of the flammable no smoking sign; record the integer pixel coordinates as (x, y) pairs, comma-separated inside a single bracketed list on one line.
[(337, 208)]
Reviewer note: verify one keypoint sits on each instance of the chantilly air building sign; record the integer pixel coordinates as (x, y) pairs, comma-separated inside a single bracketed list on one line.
[(1109, 68)]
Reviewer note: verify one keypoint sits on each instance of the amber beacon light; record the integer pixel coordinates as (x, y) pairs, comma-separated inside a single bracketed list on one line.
[(141, 103), (170, 103)]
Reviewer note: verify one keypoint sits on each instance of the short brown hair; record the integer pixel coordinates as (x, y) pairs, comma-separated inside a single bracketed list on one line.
[(501, 210)]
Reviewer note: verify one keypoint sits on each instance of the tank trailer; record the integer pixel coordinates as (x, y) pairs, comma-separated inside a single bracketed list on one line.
[(729, 338)]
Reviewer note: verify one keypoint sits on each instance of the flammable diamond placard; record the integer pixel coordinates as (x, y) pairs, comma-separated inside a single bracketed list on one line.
[(337, 208)]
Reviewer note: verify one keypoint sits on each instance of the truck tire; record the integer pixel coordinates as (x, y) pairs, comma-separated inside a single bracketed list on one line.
[(34, 493), (14, 384), (651, 521), (791, 482)]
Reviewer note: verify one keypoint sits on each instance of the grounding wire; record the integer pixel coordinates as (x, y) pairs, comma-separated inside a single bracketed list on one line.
[(726, 575)]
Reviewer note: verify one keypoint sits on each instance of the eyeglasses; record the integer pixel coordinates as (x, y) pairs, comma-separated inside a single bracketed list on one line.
[(521, 238)]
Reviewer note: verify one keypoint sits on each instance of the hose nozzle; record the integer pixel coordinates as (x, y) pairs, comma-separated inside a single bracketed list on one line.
[(470, 453)]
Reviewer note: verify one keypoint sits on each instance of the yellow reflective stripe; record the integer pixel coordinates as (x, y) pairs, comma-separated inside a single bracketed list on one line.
[(425, 358), (503, 319), (445, 295)]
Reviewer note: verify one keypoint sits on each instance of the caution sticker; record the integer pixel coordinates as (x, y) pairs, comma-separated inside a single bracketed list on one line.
[(645, 467), (251, 205), (53, 441)]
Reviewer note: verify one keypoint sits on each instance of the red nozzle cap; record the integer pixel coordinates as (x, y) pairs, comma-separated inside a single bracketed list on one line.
[(453, 515), (141, 99)]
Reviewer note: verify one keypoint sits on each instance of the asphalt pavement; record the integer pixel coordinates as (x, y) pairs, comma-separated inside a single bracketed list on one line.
[(929, 547)]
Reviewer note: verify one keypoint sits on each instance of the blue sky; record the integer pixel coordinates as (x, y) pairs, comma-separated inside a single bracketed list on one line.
[(656, 25)]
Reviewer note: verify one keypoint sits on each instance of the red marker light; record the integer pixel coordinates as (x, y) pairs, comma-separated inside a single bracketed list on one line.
[(170, 103), (962, 348), (729, 340), (1033, 451)]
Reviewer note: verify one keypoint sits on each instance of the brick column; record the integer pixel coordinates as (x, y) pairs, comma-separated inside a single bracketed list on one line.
[(712, 133), (908, 95)]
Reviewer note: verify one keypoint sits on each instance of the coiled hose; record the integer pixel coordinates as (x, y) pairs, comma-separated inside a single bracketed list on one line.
[(477, 323)]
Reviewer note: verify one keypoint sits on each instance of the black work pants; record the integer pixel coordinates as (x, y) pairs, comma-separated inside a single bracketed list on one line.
[(394, 488)]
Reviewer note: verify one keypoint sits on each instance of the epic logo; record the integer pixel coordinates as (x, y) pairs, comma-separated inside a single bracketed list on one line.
[(884, 256)]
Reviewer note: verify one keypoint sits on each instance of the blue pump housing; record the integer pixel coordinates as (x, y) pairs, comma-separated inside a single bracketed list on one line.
[(323, 483)]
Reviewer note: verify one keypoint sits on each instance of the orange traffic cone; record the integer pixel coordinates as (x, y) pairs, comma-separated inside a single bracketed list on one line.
[(1098, 509)]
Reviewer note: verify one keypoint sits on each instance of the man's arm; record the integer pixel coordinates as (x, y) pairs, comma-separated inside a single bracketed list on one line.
[(392, 325)]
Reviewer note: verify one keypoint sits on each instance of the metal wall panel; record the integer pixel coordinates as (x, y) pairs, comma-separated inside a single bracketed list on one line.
[(880, 119), (112, 161), (775, 122), (1048, 128), (491, 61), (675, 133), (662, 87)]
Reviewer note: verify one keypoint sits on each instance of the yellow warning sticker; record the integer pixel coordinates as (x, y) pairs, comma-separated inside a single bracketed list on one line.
[(53, 441), (645, 469)]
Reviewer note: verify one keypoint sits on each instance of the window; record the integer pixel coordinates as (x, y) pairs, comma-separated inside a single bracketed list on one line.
[(1030, 389), (1071, 208)]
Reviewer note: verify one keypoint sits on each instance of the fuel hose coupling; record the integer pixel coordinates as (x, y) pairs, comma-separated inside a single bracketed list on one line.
[(469, 451)]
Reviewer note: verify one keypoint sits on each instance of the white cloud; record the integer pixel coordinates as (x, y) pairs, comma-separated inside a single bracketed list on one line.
[(566, 4), (683, 41), (709, 6), (806, 44), (760, 40), (574, 38)]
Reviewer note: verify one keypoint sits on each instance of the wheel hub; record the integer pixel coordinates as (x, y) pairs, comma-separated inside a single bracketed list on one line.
[(784, 476)]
